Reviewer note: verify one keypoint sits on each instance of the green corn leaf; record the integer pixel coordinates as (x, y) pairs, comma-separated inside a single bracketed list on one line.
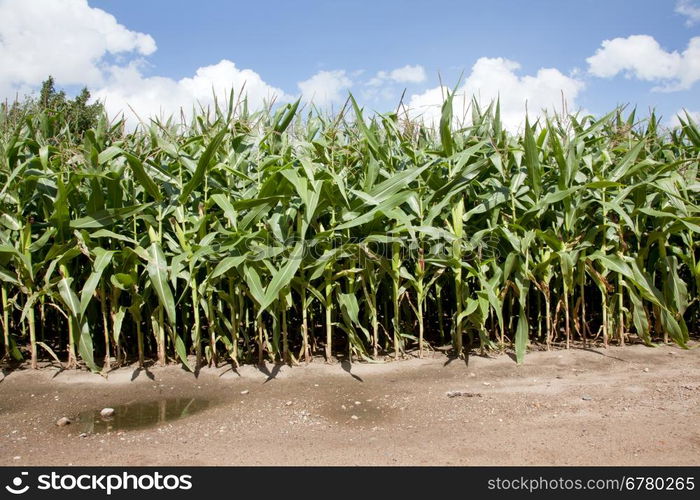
[(142, 176), (532, 162), (205, 161), (102, 259), (283, 277), (446, 126), (157, 268), (521, 334)]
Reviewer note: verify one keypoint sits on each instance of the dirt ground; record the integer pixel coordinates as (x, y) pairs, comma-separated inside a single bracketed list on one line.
[(617, 406)]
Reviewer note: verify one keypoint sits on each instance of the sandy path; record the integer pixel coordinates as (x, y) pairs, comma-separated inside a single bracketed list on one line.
[(620, 406)]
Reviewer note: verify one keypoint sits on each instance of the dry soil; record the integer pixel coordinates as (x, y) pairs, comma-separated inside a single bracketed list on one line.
[(618, 406)]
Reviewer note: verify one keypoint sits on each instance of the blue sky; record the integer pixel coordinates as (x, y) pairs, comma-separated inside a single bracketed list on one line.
[(498, 46)]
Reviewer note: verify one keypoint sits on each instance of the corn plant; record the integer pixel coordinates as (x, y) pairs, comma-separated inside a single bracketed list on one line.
[(276, 236)]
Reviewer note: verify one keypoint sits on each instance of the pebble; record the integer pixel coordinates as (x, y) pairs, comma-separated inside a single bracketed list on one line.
[(16, 458), (487, 383), (586, 398), (107, 412), (245, 391), (354, 417), (63, 421), (454, 394), (358, 403), (646, 370), (83, 435), (289, 403)]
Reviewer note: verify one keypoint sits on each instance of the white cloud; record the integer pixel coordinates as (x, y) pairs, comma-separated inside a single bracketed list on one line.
[(326, 87), (73, 42), (160, 96), (642, 57), (67, 39), (688, 9), (694, 115), (406, 74), (496, 78)]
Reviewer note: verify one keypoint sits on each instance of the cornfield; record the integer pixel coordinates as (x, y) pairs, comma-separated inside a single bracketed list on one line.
[(277, 235)]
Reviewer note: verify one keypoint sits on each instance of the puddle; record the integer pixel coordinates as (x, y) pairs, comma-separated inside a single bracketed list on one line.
[(138, 415)]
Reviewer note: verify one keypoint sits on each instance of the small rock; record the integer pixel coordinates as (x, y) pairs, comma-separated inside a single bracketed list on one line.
[(358, 403), (289, 403), (16, 458), (454, 394), (63, 421), (646, 370), (245, 392), (83, 435), (354, 417), (487, 383), (472, 374), (107, 412), (586, 398)]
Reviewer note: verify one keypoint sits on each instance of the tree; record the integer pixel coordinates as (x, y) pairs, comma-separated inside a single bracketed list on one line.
[(78, 114)]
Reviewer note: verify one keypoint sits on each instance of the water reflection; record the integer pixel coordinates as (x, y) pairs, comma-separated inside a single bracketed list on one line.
[(140, 414)]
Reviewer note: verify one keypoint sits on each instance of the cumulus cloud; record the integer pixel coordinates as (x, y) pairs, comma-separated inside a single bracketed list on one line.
[(326, 87), (641, 57), (690, 10), (406, 74), (77, 44), (67, 39), (496, 78), (694, 115), (158, 96)]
